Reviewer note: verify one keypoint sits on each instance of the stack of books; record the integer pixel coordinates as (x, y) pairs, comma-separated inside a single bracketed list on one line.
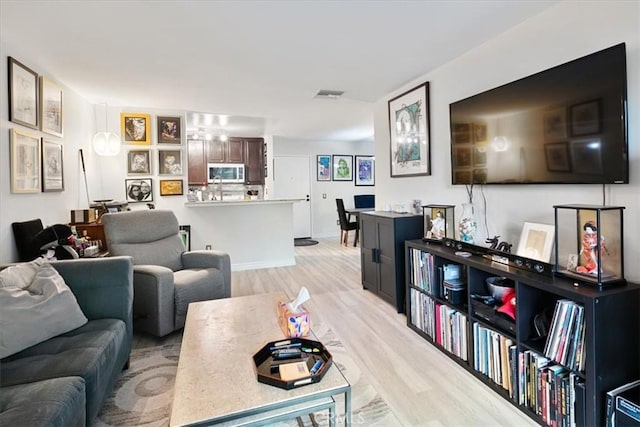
[(565, 342)]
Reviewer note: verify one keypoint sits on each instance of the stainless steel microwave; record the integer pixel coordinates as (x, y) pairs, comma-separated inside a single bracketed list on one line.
[(227, 172)]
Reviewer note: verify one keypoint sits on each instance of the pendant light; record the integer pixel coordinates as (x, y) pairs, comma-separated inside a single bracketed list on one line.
[(106, 143)]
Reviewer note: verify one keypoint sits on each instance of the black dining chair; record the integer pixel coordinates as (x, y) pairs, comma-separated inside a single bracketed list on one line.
[(346, 225)]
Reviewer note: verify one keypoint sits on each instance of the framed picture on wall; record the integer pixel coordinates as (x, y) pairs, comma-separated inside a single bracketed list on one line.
[(169, 129), (139, 162), (409, 129), (52, 167), (342, 167), (50, 107), (365, 170), (23, 95), (25, 163), (170, 162), (324, 167), (136, 128), (585, 118), (139, 190), (171, 187)]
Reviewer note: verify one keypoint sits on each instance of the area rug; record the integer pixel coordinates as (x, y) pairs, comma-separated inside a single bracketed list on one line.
[(304, 242), (143, 395)]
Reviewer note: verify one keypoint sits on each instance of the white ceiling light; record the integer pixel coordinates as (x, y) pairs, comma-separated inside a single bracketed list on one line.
[(223, 137), (106, 143), (329, 94)]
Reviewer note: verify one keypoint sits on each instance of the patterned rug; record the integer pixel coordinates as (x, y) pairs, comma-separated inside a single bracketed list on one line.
[(143, 395)]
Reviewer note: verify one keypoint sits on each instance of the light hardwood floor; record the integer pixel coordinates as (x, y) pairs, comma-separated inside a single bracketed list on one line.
[(419, 383)]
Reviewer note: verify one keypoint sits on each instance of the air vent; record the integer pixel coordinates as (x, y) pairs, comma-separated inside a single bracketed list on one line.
[(329, 94)]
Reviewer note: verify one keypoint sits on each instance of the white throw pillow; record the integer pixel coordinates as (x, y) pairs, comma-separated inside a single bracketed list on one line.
[(35, 305)]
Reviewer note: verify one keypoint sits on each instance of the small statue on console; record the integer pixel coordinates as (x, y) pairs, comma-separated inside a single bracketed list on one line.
[(494, 243)]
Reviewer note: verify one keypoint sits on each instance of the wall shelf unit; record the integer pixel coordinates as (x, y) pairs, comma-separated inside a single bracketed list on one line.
[(509, 356)]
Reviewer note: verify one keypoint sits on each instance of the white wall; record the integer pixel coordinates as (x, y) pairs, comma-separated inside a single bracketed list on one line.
[(564, 32), (323, 210)]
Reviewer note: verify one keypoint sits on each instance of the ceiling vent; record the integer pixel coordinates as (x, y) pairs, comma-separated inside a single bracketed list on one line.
[(329, 94)]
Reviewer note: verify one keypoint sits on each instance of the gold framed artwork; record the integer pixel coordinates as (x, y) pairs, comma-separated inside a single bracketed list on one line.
[(23, 95), (50, 107), (52, 167), (136, 128), (171, 187), (25, 163)]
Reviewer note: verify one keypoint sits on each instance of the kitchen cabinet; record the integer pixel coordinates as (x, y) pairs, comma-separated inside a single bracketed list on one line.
[(254, 161), (229, 151), (197, 166), (382, 253)]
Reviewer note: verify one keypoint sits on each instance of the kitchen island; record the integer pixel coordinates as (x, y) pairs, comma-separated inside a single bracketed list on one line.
[(255, 233)]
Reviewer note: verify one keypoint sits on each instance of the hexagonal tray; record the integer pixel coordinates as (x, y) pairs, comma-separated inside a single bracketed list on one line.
[(268, 371)]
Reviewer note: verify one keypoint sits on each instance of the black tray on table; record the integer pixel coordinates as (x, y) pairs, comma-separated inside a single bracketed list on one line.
[(268, 370)]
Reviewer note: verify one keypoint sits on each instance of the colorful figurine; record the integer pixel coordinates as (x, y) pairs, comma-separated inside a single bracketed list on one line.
[(590, 248)]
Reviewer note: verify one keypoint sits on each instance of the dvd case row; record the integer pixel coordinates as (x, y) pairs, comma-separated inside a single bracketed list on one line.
[(566, 338)]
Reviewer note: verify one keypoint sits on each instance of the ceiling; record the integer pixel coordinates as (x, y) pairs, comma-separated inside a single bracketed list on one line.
[(258, 63)]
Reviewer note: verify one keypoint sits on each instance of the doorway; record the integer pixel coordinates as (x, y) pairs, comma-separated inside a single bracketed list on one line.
[(292, 180)]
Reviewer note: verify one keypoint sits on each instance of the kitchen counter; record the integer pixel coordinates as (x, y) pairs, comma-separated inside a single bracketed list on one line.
[(212, 203)]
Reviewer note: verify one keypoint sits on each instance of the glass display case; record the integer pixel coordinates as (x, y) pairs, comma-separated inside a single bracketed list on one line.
[(589, 245), (438, 222)]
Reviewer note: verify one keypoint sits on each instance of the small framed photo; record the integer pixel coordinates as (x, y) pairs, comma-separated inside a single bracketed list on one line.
[(536, 241), (136, 128), (463, 177), (52, 167), (23, 95), (170, 162), (365, 170), (480, 155), (555, 124), (557, 157), (585, 118), (479, 132), (139, 162), (171, 187), (50, 107), (462, 156), (169, 129), (324, 167), (25, 163), (342, 167), (139, 190), (586, 156), (461, 133)]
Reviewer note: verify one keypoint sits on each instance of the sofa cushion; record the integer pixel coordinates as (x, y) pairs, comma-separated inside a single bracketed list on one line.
[(36, 304), (93, 352), (54, 402)]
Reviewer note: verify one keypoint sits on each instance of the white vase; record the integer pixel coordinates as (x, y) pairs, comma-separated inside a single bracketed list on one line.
[(467, 225)]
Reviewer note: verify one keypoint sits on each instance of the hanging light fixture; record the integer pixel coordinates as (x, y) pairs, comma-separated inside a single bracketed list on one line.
[(106, 143)]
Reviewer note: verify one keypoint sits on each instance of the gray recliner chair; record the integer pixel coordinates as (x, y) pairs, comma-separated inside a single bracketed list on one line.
[(166, 277)]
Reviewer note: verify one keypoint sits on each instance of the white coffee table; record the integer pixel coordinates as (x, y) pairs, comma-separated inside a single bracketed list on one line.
[(216, 380)]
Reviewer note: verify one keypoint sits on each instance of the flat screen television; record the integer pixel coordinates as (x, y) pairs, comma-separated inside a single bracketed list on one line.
[(564, 125)]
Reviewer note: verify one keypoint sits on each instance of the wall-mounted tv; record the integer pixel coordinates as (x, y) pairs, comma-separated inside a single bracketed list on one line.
[(564, 125)]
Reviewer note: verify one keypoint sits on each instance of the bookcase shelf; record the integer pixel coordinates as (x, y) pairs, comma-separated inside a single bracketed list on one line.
[(509, 357)]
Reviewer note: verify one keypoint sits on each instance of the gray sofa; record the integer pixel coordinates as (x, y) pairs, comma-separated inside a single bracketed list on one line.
[(65, 380)]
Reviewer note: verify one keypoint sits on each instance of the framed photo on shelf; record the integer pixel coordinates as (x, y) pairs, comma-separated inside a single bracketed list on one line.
[(536, 241), (139, 190), (557, 157), (365, 170), (52, 167), (171, 187), (170, 162), (324, 167), (50, 107), (136, 128), (585, 118), (409, 133), (23, 95), (342, 167), (25, 163), (169, 129), (139, 162)]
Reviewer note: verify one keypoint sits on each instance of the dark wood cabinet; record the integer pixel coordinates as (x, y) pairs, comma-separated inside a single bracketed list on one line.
[(609, 323), (197, 166), (229, 151), (254, 160), (382, 252)]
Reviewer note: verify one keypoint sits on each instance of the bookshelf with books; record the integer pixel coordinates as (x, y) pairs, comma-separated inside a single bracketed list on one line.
[(566, 348)]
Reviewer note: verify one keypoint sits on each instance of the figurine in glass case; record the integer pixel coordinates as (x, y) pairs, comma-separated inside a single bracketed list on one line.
[(437, 226), (590, 249)]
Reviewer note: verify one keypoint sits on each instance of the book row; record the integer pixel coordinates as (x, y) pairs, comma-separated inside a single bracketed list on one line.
[(566, 338)]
